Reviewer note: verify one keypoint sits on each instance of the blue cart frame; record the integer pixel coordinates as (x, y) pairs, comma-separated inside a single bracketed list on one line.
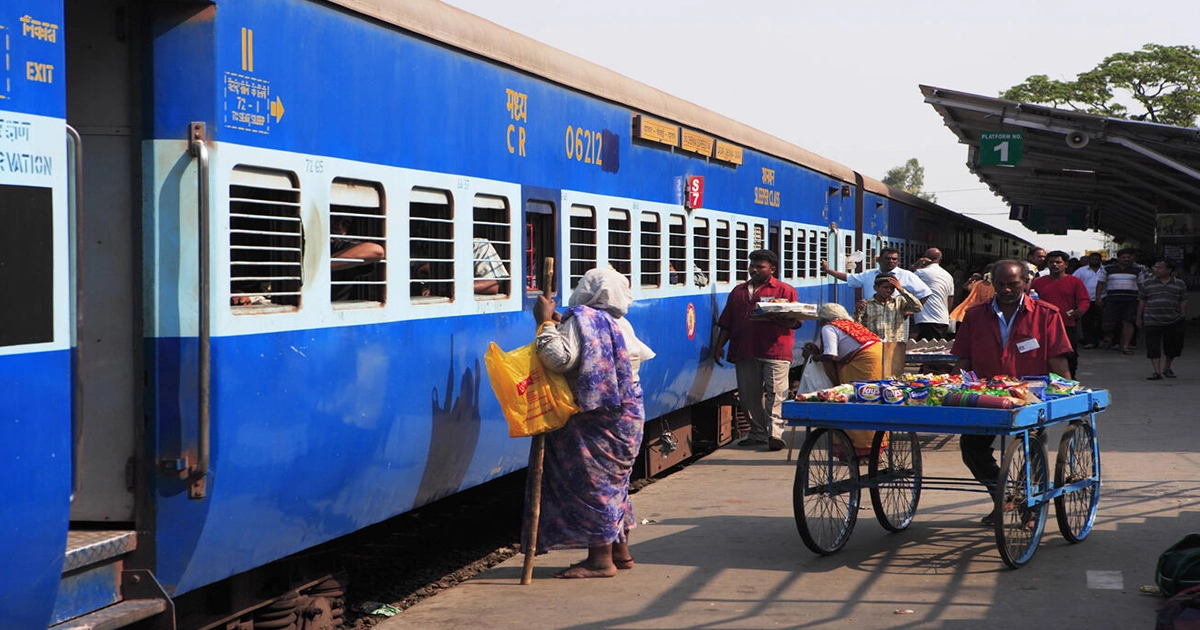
[(829, 483)]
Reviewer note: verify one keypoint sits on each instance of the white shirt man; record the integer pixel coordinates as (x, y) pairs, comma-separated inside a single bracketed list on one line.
[(933, 321)]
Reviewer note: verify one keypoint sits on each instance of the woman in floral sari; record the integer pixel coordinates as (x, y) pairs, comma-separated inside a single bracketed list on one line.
[(587, 463), (855, 352)]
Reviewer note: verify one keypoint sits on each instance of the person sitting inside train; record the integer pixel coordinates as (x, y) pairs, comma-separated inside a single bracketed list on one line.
[(491, 276), (349, 258)]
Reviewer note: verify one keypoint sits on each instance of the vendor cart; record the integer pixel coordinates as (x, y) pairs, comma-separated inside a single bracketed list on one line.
[(825, 496)]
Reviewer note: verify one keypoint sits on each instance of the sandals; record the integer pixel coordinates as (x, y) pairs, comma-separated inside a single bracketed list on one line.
[(1127, 351), (1154, 377), (1168, 373)]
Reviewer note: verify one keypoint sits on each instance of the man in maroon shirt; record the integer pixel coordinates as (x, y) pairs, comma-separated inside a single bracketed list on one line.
[(1015, 335), (1069, 294), (760, 349)]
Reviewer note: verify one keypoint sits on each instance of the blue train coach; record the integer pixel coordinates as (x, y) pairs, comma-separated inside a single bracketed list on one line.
[(252, 252)]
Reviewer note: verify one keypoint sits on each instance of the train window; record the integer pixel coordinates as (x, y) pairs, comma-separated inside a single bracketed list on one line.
[(822, 248), (620, 242), (651, 258), (814, 254), (677, 249), (431, 246), (848, 247), (700, 251), (723, 252), (491, 247), (802, 254), (357, 241), (27, 266), (789, 255), (760, 238), (741, 255), (541, 241), (266, 239), (870, 262), (583, 242)]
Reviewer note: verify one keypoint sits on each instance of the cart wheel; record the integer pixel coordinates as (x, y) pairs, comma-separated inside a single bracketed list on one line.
[(895, 479), (1019, 528), (1077, 462), (826, 491)]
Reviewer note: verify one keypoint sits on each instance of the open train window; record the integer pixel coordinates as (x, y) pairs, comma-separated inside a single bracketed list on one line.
[(266, 239), (583, 242), (357, 242), (723, 252), (431, 246), (620, 242), (760, 238), (789, 255), (677, 250), (26, 266), (541, 241), (491, 248), (741, 246), (701, 251), (651, 259), (815, 254), (870, 261)]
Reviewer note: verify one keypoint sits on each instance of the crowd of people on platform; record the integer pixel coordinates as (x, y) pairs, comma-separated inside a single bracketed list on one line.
[(1012, 317)]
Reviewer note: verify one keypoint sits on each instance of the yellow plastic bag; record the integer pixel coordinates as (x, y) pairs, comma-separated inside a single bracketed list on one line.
[(534, 399)]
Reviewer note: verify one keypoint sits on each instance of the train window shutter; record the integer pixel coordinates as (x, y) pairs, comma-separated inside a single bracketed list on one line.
[(266, 239)]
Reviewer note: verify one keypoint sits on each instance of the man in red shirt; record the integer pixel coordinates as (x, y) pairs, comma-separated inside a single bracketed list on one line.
[(760, 349), (1013, 334), (1069, 294)]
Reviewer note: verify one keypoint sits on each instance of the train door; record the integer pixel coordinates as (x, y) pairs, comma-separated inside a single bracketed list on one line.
[(100, 106), (36, 336), (540, 245)]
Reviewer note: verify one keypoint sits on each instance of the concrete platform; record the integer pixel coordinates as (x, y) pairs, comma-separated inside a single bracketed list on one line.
[(718, 547)]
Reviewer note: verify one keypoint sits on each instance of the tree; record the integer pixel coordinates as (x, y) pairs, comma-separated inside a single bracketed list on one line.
[(1161, 82), (910, 178)]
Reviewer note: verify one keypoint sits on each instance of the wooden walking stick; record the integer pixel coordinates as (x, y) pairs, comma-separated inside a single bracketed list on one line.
[(536, 452)]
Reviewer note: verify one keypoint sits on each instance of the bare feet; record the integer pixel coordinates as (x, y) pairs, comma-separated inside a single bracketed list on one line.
[(585, 570), (623, 563)]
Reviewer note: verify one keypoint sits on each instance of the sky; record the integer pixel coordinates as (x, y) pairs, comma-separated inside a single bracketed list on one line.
[(841, 78)]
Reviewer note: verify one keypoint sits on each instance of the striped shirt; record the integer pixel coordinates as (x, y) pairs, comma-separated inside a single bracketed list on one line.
[(1121, 283), (1163, 300)]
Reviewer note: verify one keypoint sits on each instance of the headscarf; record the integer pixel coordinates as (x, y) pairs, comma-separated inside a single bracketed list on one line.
[(835, 314), (604, 289), (831, 311)]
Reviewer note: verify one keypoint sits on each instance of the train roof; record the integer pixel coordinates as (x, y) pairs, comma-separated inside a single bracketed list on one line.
[(468, 32), (454, 27)]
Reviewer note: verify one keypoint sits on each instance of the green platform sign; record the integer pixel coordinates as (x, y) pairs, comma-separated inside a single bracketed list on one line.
[(1002, 148)]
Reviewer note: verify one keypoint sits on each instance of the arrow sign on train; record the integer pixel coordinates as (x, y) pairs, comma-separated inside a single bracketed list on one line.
[(277, 108)]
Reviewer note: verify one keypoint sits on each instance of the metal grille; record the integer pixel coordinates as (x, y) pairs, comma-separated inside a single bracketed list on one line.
[(358, 237), (789, 253), (583, 242), (266, 238), (491, 247), (651, 259), (822, 248), (677, 249), (760, 237), (870, 261), (431, 246), (741, 245), (815, 250), (701, 244), (848, 247), (620, 242), (723, 252), (802, 261)]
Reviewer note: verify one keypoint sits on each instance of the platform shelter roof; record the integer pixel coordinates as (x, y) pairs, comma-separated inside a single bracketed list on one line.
[(1063, 169)]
